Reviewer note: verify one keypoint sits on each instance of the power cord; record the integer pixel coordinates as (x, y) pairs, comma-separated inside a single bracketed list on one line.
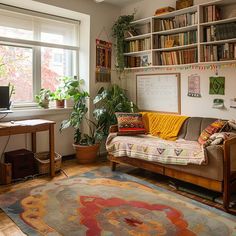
[(5, 147), (4, 116)]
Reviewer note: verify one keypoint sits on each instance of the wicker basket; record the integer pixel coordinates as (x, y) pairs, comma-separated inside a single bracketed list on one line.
[(43, 162)]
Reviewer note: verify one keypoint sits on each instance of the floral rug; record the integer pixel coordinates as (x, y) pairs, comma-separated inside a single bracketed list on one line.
[(101, 202)]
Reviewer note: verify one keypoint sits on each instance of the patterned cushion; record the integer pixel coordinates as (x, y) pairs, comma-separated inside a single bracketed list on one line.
[(130, 124), (215, 127)]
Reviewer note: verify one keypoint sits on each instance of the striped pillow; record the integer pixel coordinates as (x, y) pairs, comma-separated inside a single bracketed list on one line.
[(213, 128), (130, 123)]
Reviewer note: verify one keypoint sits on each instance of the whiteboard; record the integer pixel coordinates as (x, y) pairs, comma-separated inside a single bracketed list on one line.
[(159, 92)]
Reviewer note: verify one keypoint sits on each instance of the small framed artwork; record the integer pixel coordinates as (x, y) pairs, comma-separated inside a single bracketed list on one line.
[(145, 60), (217, 85)]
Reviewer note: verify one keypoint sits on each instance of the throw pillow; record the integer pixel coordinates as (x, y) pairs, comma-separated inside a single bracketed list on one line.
[(211, 129), (130, 124)]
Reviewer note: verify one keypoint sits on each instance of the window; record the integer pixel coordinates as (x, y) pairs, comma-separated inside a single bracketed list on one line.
[(36, 49)]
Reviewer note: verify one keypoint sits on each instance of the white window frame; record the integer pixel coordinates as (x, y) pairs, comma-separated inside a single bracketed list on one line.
[(36, 48)]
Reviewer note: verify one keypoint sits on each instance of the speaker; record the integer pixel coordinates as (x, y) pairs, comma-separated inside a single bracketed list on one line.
[(4, 97)]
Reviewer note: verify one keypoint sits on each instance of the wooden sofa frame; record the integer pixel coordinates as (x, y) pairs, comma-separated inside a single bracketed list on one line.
[(226, 187)]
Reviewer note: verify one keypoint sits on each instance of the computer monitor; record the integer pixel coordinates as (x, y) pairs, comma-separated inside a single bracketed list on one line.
[(4, 98)]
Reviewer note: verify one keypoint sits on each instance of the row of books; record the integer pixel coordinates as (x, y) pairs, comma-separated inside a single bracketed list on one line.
[(179, 21), (180, 39), (179, 57), (220, 32), (138, 45), (211, 13), (223, 52), (138, 61)]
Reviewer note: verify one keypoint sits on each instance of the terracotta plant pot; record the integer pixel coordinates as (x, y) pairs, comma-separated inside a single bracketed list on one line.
[(60, 103), (86, 154)]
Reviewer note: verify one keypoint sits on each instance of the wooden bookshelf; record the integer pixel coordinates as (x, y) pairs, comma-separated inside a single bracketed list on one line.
[(177, 25)]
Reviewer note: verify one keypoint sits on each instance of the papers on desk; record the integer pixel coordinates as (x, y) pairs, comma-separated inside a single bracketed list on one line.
[(24, 123), (31, 122)]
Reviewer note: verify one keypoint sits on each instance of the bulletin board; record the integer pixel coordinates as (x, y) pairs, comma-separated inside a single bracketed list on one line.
[(159, 92)]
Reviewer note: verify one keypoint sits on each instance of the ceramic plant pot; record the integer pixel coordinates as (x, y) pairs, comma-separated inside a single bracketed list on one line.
[(60, 103), (86, 154)]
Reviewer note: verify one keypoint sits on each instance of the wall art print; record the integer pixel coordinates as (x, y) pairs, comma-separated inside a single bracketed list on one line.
[(217, 85), (194, 86), (103, 61)]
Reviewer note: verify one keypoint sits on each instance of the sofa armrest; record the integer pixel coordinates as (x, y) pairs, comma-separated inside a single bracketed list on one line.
[(230, 154), (113, 129)]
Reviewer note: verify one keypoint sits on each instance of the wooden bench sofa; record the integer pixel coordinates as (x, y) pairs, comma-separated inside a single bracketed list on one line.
[(218, 175)]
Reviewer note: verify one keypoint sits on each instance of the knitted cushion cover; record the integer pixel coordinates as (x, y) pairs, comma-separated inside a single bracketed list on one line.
[(130, 123), (215, 127)]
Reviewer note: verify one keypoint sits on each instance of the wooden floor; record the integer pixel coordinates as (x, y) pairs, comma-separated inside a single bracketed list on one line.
[(71, 168)]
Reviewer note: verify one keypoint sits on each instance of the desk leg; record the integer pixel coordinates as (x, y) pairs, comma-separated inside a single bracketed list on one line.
[(51, 149), (33, 142)]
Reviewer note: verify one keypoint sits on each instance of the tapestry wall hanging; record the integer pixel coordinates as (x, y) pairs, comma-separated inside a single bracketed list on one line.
[(217, 85), (194, 86), (103, 61)]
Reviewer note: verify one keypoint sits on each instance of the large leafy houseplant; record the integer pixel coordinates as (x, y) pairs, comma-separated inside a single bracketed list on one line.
[(78, 115), (86, 145), (122, 25), (109, 101)]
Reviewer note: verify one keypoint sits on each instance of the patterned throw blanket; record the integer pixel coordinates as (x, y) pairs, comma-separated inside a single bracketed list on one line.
[(145, 147)]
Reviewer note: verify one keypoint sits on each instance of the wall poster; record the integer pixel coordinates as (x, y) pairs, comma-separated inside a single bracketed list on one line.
[(194, 86), (103, 61)]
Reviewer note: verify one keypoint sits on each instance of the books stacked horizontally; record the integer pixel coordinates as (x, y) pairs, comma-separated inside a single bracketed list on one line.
[(179, 57), (180, 39), (223, 52), (138, 45), (220, 32), (179, 21), (211, 13)]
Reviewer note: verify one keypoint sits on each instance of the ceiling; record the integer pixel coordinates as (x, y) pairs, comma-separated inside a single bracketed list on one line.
[(120, 3)]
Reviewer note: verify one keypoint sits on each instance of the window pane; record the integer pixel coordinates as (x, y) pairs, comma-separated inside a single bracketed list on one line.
[(16, 68), (56, 63)]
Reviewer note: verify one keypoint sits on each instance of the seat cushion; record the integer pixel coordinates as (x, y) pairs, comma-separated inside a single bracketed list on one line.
[(213, 170)]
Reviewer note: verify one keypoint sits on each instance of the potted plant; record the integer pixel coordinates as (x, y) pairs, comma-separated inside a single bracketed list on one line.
[(11, 93), (122, 25), (86, 145), (61, 93), (43, 98), (59, 96), (109, 101)]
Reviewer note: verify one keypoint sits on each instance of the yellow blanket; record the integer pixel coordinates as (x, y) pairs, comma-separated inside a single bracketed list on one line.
[(165, 126)]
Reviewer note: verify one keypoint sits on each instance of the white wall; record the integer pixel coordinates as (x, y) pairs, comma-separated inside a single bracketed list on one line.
[(190, 106), (99, 16)]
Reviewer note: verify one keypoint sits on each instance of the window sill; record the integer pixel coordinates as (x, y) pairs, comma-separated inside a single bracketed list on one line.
[(25, 113)]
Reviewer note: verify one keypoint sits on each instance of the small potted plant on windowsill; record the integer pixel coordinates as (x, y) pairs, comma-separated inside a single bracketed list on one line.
[(43, 98), (59, 96), (86, 145)]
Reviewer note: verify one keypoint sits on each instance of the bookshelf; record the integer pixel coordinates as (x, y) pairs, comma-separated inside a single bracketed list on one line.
[(201, 34)]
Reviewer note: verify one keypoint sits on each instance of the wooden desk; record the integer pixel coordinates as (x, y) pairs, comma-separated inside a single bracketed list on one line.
[(32, 126)]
